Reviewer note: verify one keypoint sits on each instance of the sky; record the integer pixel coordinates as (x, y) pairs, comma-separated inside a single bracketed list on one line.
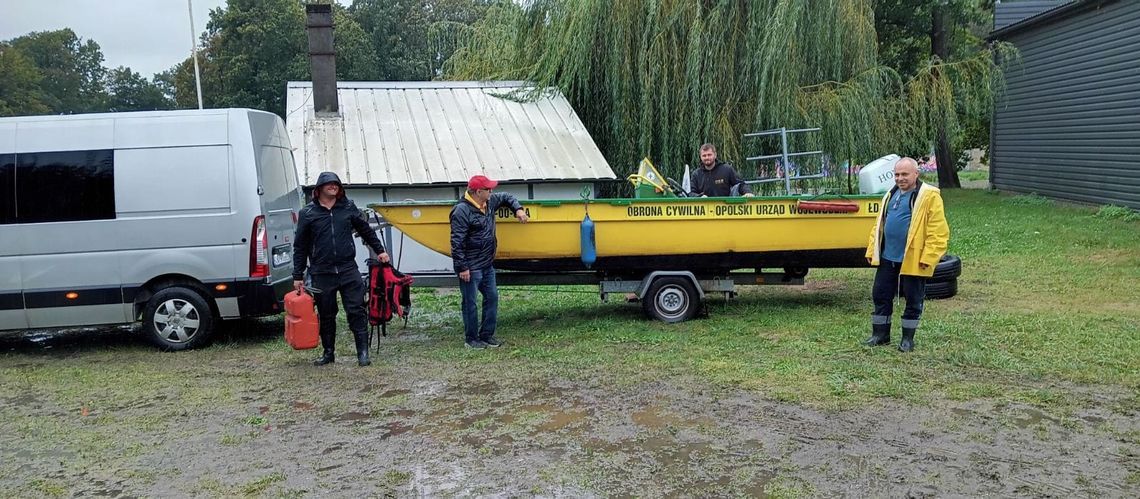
[(149, 36)]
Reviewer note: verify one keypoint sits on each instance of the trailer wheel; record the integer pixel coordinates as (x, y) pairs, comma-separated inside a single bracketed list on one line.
[(795, 272), (671, 300), (178, 318)]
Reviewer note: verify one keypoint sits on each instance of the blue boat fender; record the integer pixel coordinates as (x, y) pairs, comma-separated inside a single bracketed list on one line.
[(589, 247)]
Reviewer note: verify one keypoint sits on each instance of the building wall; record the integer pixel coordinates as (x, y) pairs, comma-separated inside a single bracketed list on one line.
[(1068, 125)]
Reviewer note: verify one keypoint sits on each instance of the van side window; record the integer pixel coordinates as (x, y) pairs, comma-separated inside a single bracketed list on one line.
[(7, 189), (65, 186)]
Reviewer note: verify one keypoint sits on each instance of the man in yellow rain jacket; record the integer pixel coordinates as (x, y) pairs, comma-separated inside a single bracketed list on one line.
[(906, 245)]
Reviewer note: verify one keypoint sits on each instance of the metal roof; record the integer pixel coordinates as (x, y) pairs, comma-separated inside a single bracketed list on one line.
[(1008, 13), (422, 133)]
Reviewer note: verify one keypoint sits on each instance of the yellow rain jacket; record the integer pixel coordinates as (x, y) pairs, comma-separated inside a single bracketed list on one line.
[(928, 235)]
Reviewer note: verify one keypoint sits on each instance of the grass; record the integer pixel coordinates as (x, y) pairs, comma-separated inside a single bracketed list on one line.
[(1118, 212), (963, 176)]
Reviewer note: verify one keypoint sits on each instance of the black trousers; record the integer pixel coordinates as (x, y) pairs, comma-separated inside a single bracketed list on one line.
[(888, 285), (351, 287)]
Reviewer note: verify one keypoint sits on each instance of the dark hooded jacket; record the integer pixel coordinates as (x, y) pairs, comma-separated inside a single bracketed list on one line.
[(717, 182), (323, 243), (473, 241)]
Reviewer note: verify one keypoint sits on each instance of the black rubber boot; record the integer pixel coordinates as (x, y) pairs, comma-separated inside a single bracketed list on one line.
[(907, 343), (326, 358), (880, 335), (362, 338), (329, 355)]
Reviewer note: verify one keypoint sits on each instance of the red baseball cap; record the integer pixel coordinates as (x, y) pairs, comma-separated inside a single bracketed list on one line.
[(481, 182)]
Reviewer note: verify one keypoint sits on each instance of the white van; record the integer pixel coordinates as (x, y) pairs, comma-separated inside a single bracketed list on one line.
[(175, 218)]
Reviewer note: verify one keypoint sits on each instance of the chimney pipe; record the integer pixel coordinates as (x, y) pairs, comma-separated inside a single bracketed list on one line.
[(322, 58)]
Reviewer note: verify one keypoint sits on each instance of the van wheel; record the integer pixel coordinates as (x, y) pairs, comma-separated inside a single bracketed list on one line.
[(178, 318), (671, 299)]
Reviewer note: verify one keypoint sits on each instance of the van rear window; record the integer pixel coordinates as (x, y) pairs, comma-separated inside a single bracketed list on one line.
[(65, 186), (275, 171)]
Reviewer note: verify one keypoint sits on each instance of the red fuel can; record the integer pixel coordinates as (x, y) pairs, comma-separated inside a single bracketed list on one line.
[(302, 331)]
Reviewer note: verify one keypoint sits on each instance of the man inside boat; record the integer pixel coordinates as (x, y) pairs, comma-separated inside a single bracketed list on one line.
[(473, 245), (906, 245), (716, 178)]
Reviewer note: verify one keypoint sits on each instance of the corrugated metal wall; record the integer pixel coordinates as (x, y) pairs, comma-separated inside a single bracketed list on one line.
[(1007, 12), (1068, 125)]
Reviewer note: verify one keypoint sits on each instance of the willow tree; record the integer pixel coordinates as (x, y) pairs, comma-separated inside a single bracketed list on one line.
[(658, 77)]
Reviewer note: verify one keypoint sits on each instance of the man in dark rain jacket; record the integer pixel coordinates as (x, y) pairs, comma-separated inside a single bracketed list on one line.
[(323, 244), (473, 246), (715, 178)]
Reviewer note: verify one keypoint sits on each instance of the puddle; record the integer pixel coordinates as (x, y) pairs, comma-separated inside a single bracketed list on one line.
[(653, 418), (430, 388), (22, 400), (1032, 417), (665, 450), (395, 429), (99, 337), (352, 417), (303, 406), (965, 413), (560, 420), (480, 389), (394, 393)]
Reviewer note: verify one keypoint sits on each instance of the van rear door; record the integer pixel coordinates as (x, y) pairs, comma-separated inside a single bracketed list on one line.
[(280, 196)]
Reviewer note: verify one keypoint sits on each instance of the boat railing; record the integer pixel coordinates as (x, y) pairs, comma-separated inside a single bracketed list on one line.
[(782, 173)]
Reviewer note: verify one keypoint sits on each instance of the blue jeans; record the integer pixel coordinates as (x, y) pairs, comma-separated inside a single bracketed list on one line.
[(482, 281)]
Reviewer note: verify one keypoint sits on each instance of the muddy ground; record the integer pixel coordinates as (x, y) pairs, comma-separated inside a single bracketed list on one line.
[(249, 418)]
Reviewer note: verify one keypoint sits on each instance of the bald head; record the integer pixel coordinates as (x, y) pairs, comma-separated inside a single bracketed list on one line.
[(906, 174)]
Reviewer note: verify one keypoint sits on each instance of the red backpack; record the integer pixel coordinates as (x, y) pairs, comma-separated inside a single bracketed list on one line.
[(389, 295)]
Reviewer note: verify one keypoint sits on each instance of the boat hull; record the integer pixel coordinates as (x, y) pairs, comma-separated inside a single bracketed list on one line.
[(714, 234)]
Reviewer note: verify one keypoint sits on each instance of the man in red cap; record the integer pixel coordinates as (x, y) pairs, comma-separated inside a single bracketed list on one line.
[(473, 246)]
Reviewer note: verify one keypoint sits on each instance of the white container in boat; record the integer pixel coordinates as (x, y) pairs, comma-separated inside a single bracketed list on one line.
[(879, 175)]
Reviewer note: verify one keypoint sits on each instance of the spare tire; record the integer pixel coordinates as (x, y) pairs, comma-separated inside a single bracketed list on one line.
[(942, 289), (949, 268)]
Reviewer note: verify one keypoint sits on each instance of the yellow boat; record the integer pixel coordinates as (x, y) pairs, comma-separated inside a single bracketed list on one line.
[(660, 231), (665, 233)]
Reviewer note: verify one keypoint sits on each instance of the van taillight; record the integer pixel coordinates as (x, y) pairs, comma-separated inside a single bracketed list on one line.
[(294, 217), (259, 249)]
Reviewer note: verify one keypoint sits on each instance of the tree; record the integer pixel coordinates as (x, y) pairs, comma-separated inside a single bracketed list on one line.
[(72, 69), (413, 38), (20, 92), (658, 78), (129, 91), (919, 35), (252, 48), (355, 55)]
